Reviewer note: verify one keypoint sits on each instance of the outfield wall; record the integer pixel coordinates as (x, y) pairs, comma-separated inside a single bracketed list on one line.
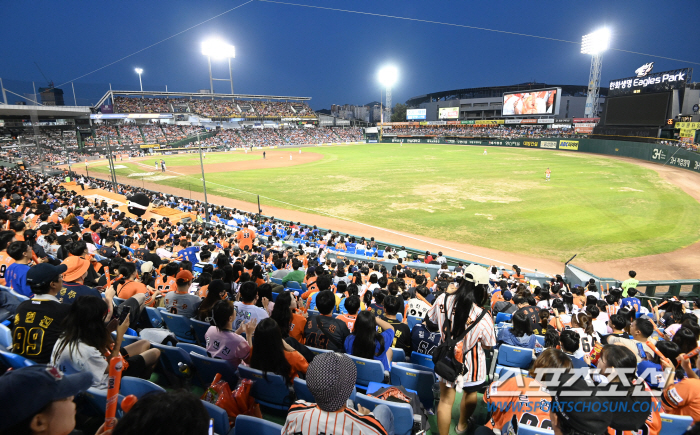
[(664, 154)]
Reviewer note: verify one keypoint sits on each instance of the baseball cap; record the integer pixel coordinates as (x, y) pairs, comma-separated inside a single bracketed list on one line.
[(44, 272), (147, 267), (32, 388), (507, 295), (76, 268), (184, 275), (479, 275), (331, 379), (588, 416)]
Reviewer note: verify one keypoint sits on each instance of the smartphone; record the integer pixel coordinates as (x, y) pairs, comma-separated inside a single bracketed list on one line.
[(124, 314)]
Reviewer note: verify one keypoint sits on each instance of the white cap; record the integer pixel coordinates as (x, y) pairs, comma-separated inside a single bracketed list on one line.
[(479, 275)]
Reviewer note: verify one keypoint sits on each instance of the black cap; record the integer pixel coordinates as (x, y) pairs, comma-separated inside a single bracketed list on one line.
[(44, 272)]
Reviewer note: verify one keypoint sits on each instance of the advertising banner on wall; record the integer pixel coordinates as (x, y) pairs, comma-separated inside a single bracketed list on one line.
[(551, 144), (688, 125), (568, 145), (448, 113), (489, 121)]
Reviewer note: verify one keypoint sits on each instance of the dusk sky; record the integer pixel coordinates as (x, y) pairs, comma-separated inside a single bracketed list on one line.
[(333, 57)]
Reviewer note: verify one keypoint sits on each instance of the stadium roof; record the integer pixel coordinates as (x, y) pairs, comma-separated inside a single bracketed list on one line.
[(196, 95), (497, 91)]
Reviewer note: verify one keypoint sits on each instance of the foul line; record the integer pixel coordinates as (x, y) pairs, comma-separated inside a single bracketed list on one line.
[(502, 263)]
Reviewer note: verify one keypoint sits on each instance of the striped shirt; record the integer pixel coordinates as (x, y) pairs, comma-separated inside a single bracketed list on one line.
[(307, 419), (483, 334)]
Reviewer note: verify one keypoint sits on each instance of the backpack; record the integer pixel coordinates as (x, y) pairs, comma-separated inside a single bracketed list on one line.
[(446, 365)]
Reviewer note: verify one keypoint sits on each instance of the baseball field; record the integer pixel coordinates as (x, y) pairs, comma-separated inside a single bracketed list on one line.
[(601, 208)]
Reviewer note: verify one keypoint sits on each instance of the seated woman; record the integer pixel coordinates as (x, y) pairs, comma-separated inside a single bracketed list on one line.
[(272, 354), (86, 344), (520, 334), (366, 342), (222, 341), (291, 324), (215, 293)]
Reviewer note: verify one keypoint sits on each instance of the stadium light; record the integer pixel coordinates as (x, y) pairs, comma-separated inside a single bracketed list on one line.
[(387, 77), (139, 71), (595, 44), (218, 49)]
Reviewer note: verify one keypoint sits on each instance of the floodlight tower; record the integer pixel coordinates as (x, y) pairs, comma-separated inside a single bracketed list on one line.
[(594, 44), (387, 77), (218, 49)]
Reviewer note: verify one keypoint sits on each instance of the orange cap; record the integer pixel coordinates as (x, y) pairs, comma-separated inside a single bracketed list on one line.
[(184, 275)]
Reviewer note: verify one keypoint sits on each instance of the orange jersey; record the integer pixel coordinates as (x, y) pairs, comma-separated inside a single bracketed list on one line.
[(165, 284), (683, 398), (245, 238), (509, 393), (296, 327), (5, 261), (348, 319)]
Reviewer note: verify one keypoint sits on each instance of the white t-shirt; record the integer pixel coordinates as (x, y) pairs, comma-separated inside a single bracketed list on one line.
[(245, 313), (82, 358), (586, 342), (600, 327), (544, 305), (417, 308)]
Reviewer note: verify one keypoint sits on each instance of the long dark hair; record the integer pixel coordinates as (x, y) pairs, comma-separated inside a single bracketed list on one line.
[(466, 296), (85, 322), (221, 312), (568, 299), (268, 350), (366, 336), (282, 313), (205, 308), (521, 324)]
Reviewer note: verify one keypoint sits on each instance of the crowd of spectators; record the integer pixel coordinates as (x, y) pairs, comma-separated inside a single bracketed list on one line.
[(500, 132), (265, 137), (153, 134), (66, 259), (227, 138), (350, 134), (295, 136)]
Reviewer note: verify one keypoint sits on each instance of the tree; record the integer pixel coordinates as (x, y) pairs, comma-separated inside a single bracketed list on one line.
[(399, 113)]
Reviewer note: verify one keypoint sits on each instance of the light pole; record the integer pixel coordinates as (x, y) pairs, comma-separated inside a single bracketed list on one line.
[(594, 44), (204, 183), (218, 49), (387, 77), (139, 71)]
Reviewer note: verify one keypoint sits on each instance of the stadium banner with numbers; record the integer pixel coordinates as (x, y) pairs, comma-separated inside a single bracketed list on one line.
[(663, 154)]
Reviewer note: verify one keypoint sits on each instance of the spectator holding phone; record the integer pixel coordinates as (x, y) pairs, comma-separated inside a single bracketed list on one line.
[(86, 344)]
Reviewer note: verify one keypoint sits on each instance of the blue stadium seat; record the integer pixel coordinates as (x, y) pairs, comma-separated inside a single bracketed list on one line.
[(220, 417), (138, 387), (293, 285), (274, 296), (276, 281), (129, 339), (303, 288), (501, 373), (511, 356), (419, 380), (540, 339), (5, 337), (207, 368), (312, 313), (188, 347), (245, 424), (503, 317), (200, 330), (117, 301), (524, 429), (422, 360), (403, 413), (14, 361), (171, 356), (302, 391), (675, 424), (268, 390), (180, 326), (97, 401), (380, 253), (413, 321), (398, 355), (316, 350), (154, 317), (368, 370)]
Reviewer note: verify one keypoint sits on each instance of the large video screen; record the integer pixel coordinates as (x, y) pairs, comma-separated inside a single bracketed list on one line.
[(536, 102), (415, 114), (640, 109), (448, 113)]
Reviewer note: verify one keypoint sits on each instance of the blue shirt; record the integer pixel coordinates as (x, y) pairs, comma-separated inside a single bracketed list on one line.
[(388, 340), (73, 290), (632, 302), (16, 277), (424, 341)]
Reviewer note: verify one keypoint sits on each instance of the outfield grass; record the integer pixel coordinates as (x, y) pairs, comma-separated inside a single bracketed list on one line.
[(598, 207)]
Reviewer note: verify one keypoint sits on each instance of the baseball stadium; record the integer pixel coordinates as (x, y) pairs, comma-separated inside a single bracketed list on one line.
[(421, 268)]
